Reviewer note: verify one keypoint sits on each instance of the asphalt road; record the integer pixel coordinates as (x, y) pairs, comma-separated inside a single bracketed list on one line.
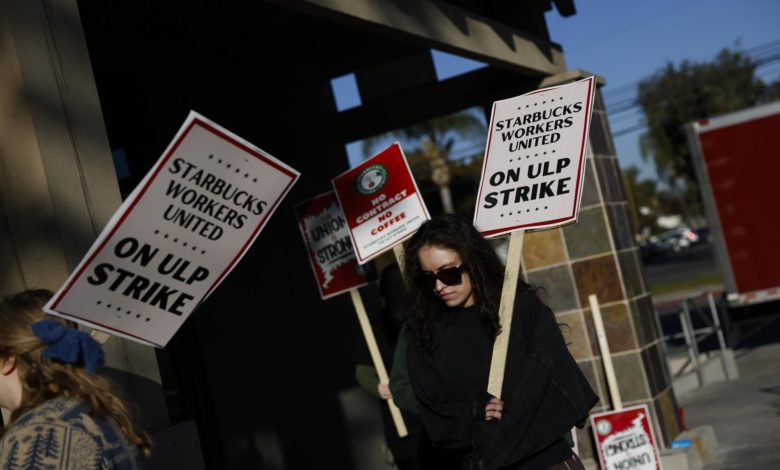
[(698, 261)]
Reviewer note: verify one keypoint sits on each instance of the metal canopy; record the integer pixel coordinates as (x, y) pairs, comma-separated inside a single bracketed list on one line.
[(446, 27)]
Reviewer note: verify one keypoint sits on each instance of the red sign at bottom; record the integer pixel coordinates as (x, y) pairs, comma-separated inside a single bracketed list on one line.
[(625, 439)]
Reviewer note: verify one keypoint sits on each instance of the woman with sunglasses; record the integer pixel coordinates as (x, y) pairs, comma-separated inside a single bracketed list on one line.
[(457, 290)]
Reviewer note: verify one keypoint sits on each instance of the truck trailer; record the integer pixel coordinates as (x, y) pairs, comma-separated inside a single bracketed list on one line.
[(737, 162)]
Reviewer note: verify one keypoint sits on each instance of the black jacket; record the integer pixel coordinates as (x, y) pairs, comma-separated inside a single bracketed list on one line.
[(545, 394)]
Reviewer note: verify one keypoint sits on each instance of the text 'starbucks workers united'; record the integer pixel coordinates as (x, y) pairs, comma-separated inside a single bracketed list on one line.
[(534, 162)]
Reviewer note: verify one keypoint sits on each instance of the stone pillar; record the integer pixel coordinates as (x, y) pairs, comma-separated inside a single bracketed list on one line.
[(598, 255)]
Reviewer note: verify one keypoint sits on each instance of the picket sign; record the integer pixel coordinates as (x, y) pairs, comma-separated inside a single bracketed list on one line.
[(383, 207), (532, 179), (626, 439), (381, 201), (332, 258), (176, 237), (606, 356), (398, 251), (379, 365), (501, 344), (624, 436), (574, 438)]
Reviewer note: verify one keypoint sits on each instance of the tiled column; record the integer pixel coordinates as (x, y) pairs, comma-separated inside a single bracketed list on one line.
[(598, 255)]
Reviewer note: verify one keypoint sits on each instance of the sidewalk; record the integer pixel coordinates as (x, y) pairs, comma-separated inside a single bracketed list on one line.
[(744, 413), (674, 298)]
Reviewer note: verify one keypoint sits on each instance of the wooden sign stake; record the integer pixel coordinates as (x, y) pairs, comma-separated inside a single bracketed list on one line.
[(606, 357), (501, 344), (379, 365), (398, 251)]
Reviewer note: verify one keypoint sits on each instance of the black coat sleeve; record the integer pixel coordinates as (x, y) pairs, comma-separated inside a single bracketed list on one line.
[(544, 394), (544, 391), (449, 425)]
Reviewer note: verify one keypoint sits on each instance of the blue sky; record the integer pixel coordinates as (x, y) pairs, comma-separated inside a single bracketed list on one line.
[(447, 66), (626, 41)]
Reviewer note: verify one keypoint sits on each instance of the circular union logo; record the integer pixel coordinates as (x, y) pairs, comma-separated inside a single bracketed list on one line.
[(371, 179), (603, 427)]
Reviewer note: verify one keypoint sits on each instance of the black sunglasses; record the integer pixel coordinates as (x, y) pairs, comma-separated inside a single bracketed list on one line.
[(448, 276)]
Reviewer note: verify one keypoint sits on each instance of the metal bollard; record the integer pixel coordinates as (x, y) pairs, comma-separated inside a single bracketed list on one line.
[(690, 341), (727, 365)]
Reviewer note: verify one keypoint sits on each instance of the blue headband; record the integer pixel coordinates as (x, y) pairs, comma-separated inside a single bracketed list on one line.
[(69, 344)]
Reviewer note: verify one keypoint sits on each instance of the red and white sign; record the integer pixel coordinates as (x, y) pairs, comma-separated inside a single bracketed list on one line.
[(625, 439), (177, 236), (325, 232), (534, 162), (381, 202)]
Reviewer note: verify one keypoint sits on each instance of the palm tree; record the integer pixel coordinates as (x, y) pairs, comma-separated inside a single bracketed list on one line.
[(434, 139)]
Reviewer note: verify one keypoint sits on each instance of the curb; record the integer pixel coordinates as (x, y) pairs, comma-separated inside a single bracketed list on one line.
[(694, 457), (704, 441), (703, 446)]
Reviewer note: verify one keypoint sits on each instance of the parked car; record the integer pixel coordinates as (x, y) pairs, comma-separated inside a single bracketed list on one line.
[(671, 242), (678, 240)]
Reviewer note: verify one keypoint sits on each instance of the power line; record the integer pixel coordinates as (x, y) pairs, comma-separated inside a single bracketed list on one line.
[(625, 119), (629, 103), (770, 44), (763, 55), (629, 130), (635, 25), (622, 90), (769, 59), (767, 67), (757, 50)]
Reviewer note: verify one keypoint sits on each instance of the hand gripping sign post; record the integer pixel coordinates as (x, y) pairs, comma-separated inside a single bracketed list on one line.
[(625, 439), (531, 179), (177, 236), (383, 208)]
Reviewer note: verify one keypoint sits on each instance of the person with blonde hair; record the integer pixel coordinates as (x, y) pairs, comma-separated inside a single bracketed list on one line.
[(63, 415)]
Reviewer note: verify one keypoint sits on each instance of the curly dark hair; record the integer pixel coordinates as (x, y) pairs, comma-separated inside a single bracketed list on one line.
[(484, 267)]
